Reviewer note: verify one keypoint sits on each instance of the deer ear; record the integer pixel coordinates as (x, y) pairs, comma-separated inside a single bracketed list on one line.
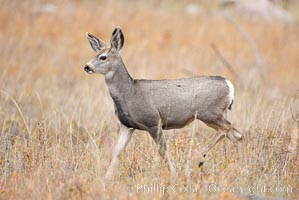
[(95, 43), (117, 39)]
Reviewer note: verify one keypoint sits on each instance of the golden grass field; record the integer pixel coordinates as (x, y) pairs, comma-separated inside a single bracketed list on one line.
[(57, 124)]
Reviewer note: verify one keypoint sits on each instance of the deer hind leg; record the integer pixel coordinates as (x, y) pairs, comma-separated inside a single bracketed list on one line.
[(124, 137), (231, 133), (159, 139), (224, 129), (224, 126), (210, 144)]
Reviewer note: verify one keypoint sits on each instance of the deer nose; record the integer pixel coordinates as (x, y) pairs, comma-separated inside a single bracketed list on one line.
[(87, 68)]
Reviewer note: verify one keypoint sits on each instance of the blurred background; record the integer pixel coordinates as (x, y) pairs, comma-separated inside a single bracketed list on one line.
[(58, 122)]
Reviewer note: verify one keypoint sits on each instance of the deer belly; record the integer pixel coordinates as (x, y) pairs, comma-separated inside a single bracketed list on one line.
[(178, 119), (174, 124)]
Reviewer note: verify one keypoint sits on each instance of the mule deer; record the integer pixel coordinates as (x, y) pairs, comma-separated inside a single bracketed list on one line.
[(153, 105)]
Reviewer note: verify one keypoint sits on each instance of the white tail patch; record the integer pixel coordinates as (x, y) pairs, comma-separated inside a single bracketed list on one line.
[(231, 93)]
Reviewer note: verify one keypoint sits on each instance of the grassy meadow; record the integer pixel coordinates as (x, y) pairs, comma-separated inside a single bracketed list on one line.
[(57, 123)]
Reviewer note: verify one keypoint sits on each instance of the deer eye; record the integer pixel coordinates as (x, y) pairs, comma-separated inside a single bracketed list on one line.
[(103, 58)]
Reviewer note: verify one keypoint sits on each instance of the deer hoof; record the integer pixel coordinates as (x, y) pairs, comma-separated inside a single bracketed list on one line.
[(200, 164), (202, 160)]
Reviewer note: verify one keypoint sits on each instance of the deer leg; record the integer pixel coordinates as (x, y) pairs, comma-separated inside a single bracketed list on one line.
[(230, 132), (224, 129), (234, 135), (125, 135), (210, 144), (159, 139)]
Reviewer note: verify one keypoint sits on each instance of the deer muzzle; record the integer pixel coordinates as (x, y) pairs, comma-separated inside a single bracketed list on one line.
[(88, 69)]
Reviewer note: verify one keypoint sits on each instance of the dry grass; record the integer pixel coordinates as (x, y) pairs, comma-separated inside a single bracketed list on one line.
[(58, 126)]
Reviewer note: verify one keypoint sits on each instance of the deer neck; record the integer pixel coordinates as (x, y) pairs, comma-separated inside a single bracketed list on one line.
[(119, 82)]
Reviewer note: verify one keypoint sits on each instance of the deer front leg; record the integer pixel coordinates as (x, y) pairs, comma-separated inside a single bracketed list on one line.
[(159, 139), (124, 137)]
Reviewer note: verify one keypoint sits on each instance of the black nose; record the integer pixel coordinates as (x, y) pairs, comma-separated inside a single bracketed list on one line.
[(87, 68)]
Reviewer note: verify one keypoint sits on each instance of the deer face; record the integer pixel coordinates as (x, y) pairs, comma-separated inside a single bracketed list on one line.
[(107, 58)]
